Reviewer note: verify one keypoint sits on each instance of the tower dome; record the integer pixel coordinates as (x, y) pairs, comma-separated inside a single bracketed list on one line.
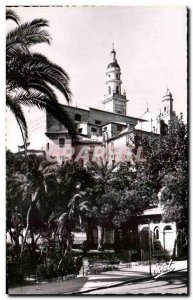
[(114, 63)]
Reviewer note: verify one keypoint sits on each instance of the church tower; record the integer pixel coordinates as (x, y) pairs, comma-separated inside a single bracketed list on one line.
[(167, 107), (114, 100)]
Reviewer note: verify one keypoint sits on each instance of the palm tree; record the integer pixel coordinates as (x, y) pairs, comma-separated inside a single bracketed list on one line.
[(36, 180), (78, 209), (67, 222), (31, 78)]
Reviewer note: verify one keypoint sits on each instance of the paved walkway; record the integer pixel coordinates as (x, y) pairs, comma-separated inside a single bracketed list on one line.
[(90, 282)]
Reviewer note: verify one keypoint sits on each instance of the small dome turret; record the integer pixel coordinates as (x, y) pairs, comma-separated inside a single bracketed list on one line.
[(168, 93), (114, 63)]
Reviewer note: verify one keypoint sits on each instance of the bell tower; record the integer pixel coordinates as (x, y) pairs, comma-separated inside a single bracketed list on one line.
[(167, 107), (114, 101)]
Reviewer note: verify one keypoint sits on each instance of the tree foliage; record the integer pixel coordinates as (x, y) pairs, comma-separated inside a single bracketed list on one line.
[(119, 195), (166, 171)]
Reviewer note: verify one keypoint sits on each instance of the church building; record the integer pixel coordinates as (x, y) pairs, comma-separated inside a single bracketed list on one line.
[(109, 128)]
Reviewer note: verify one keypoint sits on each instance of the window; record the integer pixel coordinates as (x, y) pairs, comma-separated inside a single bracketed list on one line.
[(97, 122), (156, 233), (109, 89), (77, 117), (117, 76), (119, 128), (164, 108), (109, 75), (117, 89), (80, 130), (47, 146), (61, 142), (168, 227), (93, 129), (91, 149)]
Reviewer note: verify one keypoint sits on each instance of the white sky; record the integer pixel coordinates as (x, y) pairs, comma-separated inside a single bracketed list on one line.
[(151, 50)]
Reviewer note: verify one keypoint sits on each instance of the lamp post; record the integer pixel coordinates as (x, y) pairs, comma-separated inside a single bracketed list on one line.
[(149, 238)]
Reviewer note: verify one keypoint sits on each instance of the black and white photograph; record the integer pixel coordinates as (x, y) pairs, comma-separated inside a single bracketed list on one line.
[(97, 150)]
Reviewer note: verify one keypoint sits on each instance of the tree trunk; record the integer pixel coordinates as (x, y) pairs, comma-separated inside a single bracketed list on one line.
[(33, 243), (117, 241), (100, 237), (90, 237), (24, 139), (24, 240), (68, 250), (33, 204), (17, 247)]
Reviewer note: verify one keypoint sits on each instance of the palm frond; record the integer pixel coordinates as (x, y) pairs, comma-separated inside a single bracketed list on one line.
[(42, 58), (29, 33), (15, 50), (18, 113), (45, 70), (44, 88), (39, 72), (40, 100), (11, 15)]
